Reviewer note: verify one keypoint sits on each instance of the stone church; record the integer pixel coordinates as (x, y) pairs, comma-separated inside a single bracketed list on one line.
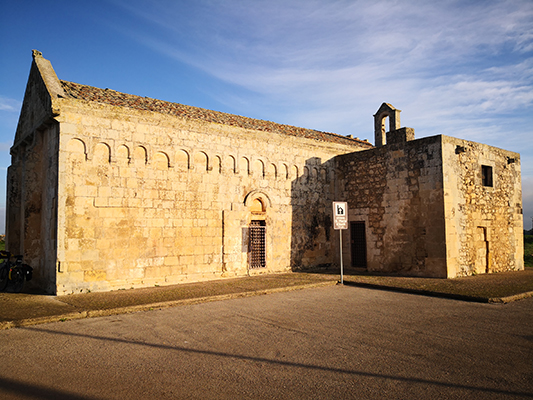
[(108, 190)]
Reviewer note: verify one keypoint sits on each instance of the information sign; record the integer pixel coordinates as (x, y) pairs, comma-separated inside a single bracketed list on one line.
[(340, 215), (340, 223)]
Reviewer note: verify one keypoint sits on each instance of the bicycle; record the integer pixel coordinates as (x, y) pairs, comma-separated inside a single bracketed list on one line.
[(13, 273)]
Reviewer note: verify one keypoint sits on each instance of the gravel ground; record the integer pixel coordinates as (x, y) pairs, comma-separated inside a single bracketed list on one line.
[(484, 287), (18, 309)]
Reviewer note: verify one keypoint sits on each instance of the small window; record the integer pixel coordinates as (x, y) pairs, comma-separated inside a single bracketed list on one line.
[(486, 175)]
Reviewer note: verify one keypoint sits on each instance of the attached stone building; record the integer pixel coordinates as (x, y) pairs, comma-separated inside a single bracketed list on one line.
[(108, 190), (436, 206)]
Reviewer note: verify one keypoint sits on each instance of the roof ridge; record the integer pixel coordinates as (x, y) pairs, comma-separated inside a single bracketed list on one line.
[(113, 97)]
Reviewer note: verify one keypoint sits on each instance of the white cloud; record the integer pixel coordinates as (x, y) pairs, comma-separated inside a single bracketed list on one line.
[(458, 68), (9, 105), (276, 47), (320, 50)]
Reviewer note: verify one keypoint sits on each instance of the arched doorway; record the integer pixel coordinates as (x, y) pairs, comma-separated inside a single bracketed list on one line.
[(257, 206)]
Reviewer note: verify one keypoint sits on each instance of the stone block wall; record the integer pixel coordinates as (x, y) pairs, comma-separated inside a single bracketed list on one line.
[(396, 190), (484, 222), (109, 191), (429, 212), (150, 199), (31, 204)]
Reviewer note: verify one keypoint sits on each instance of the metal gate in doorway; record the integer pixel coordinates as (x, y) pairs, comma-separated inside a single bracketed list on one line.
[(256, 244)]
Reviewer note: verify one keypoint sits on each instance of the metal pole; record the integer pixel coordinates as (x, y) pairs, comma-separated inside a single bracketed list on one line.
[(340, 240)]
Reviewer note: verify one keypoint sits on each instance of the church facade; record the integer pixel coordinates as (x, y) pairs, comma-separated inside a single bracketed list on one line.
[(108, 191)]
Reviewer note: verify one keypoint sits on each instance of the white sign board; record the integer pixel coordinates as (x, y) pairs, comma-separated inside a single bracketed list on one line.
[(340, 215)]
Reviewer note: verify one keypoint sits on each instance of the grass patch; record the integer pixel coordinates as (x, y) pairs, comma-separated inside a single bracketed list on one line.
[(528, 251)]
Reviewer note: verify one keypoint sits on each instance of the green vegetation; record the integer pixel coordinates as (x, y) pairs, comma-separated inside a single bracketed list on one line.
[(528, 251), (2, 242)]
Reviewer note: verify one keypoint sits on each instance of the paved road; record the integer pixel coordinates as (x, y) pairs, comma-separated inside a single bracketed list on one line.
[(335, 342)]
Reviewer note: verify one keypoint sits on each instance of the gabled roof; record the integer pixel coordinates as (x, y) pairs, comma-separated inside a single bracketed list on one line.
[(40, 98), (112, 97)]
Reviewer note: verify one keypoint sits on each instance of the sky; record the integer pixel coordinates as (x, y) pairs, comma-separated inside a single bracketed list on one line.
[(459, 68)]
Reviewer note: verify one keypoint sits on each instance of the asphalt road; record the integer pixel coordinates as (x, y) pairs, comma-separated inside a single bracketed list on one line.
[(336, 342)]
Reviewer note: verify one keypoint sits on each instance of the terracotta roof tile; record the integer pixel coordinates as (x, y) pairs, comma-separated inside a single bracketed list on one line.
[(108, 96)]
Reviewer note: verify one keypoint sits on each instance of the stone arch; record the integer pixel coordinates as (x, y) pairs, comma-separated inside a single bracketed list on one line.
[(285, 171), (102, 152), (273, 171), (249, 200), (257, 203), (201, 161), (230, 164), (257, 206), (259, 168), (295, 173), (161, 161), (77, 156), (123, 154), (314, 174), (101, 161), (245, 166), (305, 175), (77, 146), (323, 174), (217, 164), (140, 155), (385, 111), (182, 160)]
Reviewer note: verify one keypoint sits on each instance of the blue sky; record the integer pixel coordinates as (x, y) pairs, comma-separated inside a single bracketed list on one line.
[(460, 68)]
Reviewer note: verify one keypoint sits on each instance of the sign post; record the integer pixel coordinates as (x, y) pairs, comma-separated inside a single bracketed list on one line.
[(340, 222)]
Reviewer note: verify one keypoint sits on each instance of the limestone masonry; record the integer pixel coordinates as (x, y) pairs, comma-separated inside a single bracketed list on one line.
[(109, 191)]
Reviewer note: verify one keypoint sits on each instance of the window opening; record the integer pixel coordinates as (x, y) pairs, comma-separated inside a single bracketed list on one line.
[(486, 175), (256, 245)]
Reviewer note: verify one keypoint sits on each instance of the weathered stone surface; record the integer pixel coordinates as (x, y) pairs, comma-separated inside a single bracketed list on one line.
[(484, 224), (426, 210), (121, 191), (108, 190)]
